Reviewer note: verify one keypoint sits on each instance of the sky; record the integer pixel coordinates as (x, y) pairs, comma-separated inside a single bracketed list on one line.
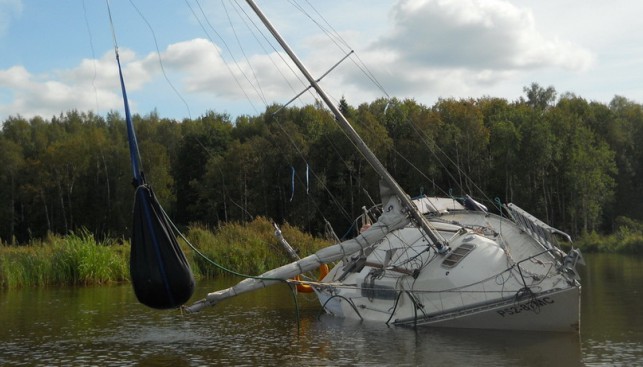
[(182, 59)]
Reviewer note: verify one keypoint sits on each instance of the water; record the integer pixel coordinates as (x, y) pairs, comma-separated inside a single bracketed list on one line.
[(105, 326)]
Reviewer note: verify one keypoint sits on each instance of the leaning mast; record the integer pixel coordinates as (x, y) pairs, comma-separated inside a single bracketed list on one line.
[(435, 237)]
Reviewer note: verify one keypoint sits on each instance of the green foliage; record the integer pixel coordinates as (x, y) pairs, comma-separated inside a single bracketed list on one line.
[(250, 248), (627, 239), (70, 260), (577, 165), (631, 243), (78, 260)]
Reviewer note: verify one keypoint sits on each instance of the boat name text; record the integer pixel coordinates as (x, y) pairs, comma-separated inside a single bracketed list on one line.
[(534, 306)]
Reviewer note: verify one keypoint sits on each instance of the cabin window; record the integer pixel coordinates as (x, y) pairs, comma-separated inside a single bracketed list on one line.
[(458, 254)]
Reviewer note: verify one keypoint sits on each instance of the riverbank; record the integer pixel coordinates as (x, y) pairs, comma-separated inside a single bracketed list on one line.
[(79, 259), (621, 242)]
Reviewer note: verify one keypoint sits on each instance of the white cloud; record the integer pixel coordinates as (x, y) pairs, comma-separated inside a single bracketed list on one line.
[(203, 70), (49, 94), (200, 64), (91, 85), (432, 48), (429, 49), (457, 47), (475, 34)]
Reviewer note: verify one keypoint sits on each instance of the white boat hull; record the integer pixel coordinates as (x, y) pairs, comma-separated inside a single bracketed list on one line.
[(497, 277), (557, 311)]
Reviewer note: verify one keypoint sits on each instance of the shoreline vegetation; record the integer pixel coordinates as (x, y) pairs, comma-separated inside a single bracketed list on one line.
[(78, 259), (573, 163)]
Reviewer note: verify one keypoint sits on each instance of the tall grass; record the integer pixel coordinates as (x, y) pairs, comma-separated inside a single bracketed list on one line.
[(78, 259), (627, 238), (248, 249), (622, 242)]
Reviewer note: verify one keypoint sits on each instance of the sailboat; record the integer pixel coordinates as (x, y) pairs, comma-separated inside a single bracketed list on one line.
[(435, 261)]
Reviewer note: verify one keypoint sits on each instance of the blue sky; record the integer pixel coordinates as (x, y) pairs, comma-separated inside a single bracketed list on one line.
[(58, 55)]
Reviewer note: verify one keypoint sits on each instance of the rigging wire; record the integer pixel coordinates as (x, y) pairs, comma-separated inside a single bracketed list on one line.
[(260, 91), (425, 137), (333, 198), (176, 230), (91, 45), (234, 76), (158, 53), (267, 40), (256, 87), (341, 43), (278, 53), (336, 37)]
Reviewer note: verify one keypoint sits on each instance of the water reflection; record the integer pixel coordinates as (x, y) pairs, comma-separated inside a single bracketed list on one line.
[(371, 343), (107, 326), (611, 318)]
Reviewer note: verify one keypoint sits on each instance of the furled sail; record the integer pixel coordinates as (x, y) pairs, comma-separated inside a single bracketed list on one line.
[(161, 275)]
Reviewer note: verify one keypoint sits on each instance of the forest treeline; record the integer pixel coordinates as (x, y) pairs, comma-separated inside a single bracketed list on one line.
[(574, 163)]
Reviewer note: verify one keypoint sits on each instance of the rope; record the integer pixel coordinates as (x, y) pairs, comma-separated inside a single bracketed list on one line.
[(230, 271), (135, 157)]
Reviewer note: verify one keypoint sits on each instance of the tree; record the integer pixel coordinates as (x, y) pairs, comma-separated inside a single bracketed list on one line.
[(625, 136), (465, 139), (586, 165), (12, 163), (504, 148), (538, 97), (202, 138)]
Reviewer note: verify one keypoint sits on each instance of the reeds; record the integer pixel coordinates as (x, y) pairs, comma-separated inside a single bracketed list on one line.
[(78, 259), (249, 248), (621, 242)]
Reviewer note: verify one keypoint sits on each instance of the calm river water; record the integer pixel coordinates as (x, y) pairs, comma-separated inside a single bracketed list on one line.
[(105, 326)]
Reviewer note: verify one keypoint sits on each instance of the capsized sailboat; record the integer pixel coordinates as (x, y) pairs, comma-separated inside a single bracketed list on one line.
[(436, 261)]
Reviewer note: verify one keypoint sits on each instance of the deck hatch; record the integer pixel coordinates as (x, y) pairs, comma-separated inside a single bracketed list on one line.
[(458, 254)]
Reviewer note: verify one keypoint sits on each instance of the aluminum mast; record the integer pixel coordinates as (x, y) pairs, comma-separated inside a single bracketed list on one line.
[(435, 237)]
